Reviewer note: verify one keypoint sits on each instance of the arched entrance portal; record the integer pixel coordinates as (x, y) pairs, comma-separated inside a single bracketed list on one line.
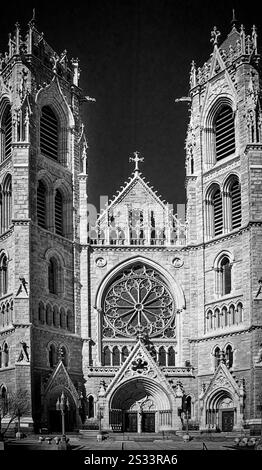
[(54, 416), (220, 411), (140, 405)]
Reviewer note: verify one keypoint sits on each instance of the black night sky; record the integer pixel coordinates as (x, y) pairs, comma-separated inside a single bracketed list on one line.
[(135, 57)]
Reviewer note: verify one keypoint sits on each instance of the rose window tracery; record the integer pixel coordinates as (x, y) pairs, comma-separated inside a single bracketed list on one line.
[(138, 301)]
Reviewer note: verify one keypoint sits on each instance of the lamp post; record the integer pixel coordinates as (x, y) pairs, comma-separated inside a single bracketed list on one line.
[(99, 416), (62, 405)]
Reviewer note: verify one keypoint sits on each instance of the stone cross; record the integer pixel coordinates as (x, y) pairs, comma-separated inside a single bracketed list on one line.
[(215, 35), (136, 159)]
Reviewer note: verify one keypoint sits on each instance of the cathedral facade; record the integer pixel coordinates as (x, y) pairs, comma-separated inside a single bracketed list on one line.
[(145, 322)]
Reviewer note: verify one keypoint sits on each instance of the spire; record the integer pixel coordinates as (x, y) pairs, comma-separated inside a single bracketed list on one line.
[(136, 159)]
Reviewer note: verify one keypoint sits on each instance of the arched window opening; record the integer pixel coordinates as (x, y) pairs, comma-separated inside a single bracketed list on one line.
[(232, 315), (216, 318), (53, 276), (5, 355), (41, 204), (229, 356), (217, 212), (124, 353), (4, 402), (224, 133), (239, 312), (49, 315), (6, 204), (59, 213), (235, 195), (0, 357), (49, 133), (6, 133), (171, 357), (225, 266), (3, 275), (62, 318), (107, 356), (116, 356), (162, 356), (52, 355), (90, 409), (41, 313), (63, 355), (217, 356)]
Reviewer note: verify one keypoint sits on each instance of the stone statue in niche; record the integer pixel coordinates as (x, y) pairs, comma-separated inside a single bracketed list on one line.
[(23, 353)]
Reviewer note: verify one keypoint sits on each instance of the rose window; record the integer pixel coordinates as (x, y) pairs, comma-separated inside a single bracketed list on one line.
[(138, 301)]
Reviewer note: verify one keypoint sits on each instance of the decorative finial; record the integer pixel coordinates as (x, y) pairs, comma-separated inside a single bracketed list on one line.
[(136, 159), (32, 21), (234, 20), (214, 36)]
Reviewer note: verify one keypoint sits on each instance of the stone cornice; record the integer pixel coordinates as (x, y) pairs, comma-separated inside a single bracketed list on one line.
[(7, 234), (225, 334)]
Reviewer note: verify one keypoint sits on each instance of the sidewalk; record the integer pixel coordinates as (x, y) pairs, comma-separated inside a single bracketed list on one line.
[(82, 444)]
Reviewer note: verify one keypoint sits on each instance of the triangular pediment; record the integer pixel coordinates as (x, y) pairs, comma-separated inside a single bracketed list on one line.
[(134, 192), (61, 378), (222, 379), (139, 364)]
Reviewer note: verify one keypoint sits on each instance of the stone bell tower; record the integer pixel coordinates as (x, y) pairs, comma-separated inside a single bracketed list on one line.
[(224, 162), (43, 177)]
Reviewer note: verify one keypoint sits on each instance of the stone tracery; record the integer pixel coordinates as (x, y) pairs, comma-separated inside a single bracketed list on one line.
[(138, 301)]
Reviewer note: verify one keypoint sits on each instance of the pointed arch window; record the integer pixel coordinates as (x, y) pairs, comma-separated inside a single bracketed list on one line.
[(225, 266), (63, 355), (4, 401), (106, 356), (162, 356), (49, 131), (5, 355), (6, 204), (52, 355), (59, 213), (171, 357), (6, 131), (235, 197), (217, 212), (229, 356), (3, 275), (224, 132), (90, 409), (116, 356), (124, 354), (217, 356), (53, 276), (41, 204)]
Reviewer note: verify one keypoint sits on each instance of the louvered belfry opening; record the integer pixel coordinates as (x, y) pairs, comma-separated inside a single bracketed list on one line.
[(235, 193), (225, 133), (41, 204), (49, 133), (59, 213), (218, 212), (7, 126)]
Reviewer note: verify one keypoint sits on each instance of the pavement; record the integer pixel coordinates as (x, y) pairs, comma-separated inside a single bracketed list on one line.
[(83, 444)]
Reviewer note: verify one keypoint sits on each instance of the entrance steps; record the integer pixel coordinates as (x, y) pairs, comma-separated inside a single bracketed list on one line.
[(143, 436)]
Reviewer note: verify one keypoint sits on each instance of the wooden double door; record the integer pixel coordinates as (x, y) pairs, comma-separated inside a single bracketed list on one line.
[(227, 420), (131, 422)]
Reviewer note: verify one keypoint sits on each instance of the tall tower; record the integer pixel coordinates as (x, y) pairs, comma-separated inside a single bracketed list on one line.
[(224, 163), (42, 179)]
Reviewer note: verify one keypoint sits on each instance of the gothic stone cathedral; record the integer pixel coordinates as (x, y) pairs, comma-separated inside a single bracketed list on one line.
[(141, 320)]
